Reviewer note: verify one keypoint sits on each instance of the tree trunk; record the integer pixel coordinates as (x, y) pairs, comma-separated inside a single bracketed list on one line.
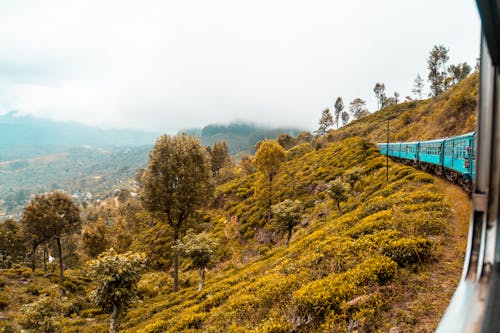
[(113, 319), (33, 257), (288, 237), (176, 260), (202, 278), (338, 206), (45, 256), (269, 216), (59, 253)]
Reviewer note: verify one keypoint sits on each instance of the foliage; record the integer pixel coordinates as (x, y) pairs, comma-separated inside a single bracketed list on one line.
[(418, 87), (12, 243), (338, 191), (95, 238), (48, 216), (268, 159), (436, 63), (43, 314), (458, 72), (200, 249), (117, 276), (452, 113), (358, 108), (325, 122), (219, 157), (339, 106), (379, 91), (287, 215), (177, 181)]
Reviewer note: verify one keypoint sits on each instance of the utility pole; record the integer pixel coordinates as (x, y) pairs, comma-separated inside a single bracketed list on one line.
[(387, 153)]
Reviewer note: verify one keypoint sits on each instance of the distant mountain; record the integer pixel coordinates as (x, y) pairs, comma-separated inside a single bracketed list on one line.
[(240, 137), (27, 137), (22, 130)]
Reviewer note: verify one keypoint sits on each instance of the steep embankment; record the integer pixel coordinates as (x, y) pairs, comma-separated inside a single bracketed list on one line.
[(452, 113)]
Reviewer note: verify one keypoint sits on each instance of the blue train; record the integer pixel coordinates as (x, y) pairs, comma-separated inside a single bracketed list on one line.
[(452, 158)]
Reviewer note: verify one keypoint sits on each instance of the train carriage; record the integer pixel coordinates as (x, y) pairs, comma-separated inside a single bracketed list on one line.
[(453, 158), (459, 154), (430, 152)]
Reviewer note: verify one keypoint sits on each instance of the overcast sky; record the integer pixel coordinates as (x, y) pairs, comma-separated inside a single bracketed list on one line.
[(167, 65)]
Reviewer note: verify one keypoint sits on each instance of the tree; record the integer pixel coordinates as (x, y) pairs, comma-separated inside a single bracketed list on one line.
[(268, 160), (287, 215), (12, 242), (117, 276), (345, 118), (390, 101), (436, 63), (338, 190), (95, 238), (200, 248), (247, 164), (396, 97), (325, 122), (418, 87), (339, 106), (379, 91), (304, 136), (176, 182), (286, 141), (51, 216), (458, 72), (358, 108), (219, 156)]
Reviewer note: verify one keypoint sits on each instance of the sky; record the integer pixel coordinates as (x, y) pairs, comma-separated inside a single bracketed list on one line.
[(173, 64)]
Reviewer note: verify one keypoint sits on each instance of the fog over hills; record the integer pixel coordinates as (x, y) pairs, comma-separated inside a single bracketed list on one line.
[(16, 129), (24, 137)]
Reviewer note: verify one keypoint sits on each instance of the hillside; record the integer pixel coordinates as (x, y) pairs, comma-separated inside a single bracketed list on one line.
[(452, 113), (380, 264), (240, 137), (89, 173)]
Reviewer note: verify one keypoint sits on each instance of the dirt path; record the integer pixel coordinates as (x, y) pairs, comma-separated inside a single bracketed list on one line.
[(444, 274)]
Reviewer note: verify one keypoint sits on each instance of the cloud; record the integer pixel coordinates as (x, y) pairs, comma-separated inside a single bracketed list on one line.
[(166, 65)]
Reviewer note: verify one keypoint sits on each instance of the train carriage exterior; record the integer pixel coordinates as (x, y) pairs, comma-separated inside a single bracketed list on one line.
[(453, 158)]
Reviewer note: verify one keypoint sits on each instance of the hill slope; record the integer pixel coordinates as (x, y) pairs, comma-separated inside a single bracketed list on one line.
[(452, 113), (381, 264)]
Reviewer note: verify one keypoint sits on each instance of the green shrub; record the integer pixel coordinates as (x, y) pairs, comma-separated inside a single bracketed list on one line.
[(156, 326), (4, 300), (43, 315), (371, 224), (374, 205), (409, 251), (323, 296)]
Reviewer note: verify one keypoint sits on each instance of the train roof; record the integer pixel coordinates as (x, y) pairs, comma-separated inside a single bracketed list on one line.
[(432, 141)]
